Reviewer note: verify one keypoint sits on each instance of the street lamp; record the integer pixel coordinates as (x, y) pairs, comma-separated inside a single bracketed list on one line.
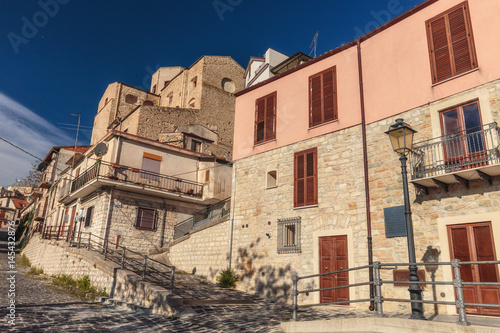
[(401, 135)]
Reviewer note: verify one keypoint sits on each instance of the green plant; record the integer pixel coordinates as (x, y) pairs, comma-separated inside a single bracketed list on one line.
[(25, 261), (227, 278), (83, 283), (35, 271)]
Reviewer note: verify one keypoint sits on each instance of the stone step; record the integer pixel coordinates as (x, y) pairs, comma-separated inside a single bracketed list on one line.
[(125, 305)]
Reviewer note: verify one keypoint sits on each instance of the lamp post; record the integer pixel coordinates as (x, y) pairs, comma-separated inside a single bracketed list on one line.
[(401, 135)]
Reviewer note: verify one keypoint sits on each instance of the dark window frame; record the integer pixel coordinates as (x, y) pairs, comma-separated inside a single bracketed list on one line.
[(139, 220), (263, 131), (453, 42), (324, 96), (89, 216), (305, 178)]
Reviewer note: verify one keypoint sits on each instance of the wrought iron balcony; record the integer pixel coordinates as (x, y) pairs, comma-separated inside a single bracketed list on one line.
[(145, 179), (458, 157)]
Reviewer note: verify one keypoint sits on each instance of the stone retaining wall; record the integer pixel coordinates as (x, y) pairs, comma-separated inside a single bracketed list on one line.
[(57, 258)]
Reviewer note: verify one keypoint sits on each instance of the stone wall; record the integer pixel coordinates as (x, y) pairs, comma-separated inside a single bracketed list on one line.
[(340, 211), (205, 251), (56, 258), (431, 213)]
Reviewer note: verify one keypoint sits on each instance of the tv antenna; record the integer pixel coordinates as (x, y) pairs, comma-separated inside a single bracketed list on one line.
[(314, 44)]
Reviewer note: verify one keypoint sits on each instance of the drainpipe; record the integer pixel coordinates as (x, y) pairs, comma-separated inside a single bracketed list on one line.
[(233, 200), (108, 219), (365, 166), (162, 234)]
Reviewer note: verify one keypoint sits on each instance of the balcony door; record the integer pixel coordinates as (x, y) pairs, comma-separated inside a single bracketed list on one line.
[(474, 242), (463, 137)]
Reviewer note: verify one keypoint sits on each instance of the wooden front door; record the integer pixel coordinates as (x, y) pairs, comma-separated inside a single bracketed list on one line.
[(474, 242), (333, 257)]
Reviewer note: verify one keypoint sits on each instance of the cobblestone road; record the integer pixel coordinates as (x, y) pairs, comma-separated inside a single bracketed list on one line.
[(41, 307)]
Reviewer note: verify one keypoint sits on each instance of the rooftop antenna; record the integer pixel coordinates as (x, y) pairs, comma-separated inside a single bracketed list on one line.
[(76, 140), (314, 44)]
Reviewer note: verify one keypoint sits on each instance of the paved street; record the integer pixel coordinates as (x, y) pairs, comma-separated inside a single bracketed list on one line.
[(41, 307)]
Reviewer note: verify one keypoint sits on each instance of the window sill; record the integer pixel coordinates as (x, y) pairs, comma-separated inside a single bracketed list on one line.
[(454, 77), (323, 124), (271, 187), (305, 207), (263, 143)]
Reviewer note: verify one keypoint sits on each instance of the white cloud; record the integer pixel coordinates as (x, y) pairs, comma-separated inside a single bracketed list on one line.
[(25, 129)]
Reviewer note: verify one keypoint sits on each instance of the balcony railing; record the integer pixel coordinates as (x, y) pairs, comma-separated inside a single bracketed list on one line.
[(473, 148), (125, 174)]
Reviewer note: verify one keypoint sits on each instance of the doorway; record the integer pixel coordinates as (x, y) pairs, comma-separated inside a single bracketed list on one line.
[(474, 242), (333, 257)]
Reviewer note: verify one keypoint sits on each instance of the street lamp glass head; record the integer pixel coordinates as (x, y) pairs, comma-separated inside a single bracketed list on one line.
[(401, 135)]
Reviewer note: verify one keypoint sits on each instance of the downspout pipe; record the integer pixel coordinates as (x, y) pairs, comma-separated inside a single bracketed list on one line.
[(108, 219), (233, 200), (367, 184)]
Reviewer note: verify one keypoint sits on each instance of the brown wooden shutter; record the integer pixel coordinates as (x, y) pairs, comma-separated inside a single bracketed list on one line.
[(315, 100), (270, 116), (328, 96), (440, 52), (460, 41), (451, 45), (306, 180)]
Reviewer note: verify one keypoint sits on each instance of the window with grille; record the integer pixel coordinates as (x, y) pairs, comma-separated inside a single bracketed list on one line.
[(89, 216), (145, 219), (323, 97), (451, 44), (289, 235)]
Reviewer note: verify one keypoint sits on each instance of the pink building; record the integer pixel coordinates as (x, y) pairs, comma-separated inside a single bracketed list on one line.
[(317, 179)]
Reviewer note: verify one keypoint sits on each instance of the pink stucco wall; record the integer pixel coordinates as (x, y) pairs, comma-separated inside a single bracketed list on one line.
[(396, 73), (292, 115)]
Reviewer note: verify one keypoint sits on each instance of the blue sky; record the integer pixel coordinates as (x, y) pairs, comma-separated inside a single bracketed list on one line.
[(58, 56)]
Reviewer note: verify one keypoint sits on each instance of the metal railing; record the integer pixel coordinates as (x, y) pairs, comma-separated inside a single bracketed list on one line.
[(213, 212), (460, 303), (125, 174), (149, 269), (469, 149)]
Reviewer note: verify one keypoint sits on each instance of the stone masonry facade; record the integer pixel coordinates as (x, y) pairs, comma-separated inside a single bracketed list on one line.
[(340, 211), (481, 199)]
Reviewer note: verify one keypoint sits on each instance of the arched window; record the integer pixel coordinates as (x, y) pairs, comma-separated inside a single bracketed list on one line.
[(191, 103), (194, 82), (148, 103), (131, 99)]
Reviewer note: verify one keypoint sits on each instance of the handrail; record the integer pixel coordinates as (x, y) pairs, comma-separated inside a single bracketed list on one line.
[(49, 232), (457, 283), (131, 175)]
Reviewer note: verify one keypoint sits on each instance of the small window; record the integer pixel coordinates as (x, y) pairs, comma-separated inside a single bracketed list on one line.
[(106, 101), (170, 97), (131, 99), (289, 235), (191, 103), (88, 217), (196, 146), (272, 179), (145, 219), (323, 97), (194, 82), (154, 89), (148, 103), (207, 176)]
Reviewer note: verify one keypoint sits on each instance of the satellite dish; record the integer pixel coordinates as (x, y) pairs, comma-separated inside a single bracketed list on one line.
[(42, 167), (100, 149)]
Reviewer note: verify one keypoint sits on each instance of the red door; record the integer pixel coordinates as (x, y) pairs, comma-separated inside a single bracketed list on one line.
[(474, 242), (333, 257)]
